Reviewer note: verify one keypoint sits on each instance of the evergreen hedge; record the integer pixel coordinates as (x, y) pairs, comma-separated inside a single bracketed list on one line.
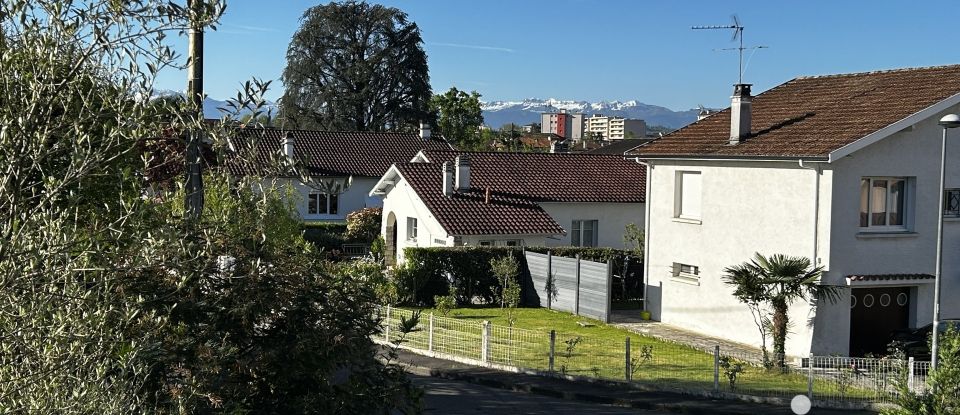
[(428, 272)]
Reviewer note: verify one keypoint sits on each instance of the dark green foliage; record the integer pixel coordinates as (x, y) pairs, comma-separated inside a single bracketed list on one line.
[(427, 271), (942, 394), (354, 66), (458, 116)]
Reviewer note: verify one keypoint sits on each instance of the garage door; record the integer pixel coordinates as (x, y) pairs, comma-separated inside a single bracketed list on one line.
[(874, 314)]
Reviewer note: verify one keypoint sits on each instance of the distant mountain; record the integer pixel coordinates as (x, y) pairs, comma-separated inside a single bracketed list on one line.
[(210, 105), (497, 113)]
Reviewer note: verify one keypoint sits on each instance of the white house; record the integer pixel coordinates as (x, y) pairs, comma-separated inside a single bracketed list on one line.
[(448, 198), (843, 169), (359, 158)]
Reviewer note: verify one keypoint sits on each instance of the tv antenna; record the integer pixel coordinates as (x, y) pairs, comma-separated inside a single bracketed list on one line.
[(737, 28)]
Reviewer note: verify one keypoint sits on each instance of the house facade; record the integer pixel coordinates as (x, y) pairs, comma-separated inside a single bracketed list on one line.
[(446, 198), (842, 169), (340, 167)]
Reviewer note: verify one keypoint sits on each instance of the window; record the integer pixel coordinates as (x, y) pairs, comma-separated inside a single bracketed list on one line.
[(688, 195), (411, 229), (322, 204), (584, 233), (486, 243), (951, 203), (686, 273), (513, 242), (883, 203)]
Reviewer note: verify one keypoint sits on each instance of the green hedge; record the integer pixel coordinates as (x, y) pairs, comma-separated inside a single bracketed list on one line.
[(429, 271)]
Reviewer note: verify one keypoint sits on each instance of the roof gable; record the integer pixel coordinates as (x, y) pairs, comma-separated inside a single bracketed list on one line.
[(812, 117)]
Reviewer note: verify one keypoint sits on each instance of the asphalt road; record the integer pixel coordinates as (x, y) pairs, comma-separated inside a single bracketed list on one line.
[(443, 396)]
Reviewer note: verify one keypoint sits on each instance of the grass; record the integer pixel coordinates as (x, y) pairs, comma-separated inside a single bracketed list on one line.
[(596, 349)]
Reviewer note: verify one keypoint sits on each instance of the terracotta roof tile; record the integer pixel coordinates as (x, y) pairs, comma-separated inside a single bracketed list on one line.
[(890, 277), (813, 116), (620, 147), (466, 213), (326, 153), (558, 177)]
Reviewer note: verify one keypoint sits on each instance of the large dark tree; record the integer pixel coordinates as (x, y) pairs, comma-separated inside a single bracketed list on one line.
[(355, 66)]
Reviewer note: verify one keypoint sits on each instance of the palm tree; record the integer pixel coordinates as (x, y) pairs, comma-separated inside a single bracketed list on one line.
[(778, 281)]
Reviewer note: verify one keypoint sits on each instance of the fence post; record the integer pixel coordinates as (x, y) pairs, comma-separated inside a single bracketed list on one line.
[(550, 284), (576, 292), (910, 383), (810, 377), (430, 335), (485, 342), (626, 365), (553, 342), (716, 368), (386, 332), (609, 289)]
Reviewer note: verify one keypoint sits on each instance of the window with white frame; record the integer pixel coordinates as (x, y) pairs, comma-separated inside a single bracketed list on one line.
[(951, 203), (584, 233), (322, 204), (686, 272), (411, 229), (688, 195), (883, 203)]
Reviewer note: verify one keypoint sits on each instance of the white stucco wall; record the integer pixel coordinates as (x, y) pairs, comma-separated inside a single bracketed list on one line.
[(355, 198), (913, 153), (767, 207), (403, 202), (747, 207), (612, 219)]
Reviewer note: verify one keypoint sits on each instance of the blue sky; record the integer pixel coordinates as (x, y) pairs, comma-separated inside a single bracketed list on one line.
[(611, 49)]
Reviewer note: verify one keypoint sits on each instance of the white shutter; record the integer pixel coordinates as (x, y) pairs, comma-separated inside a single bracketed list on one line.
[(690, 196)]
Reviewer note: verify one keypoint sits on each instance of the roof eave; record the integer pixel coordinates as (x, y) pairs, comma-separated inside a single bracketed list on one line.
[(724, 157), (893, 128), (387, 181)]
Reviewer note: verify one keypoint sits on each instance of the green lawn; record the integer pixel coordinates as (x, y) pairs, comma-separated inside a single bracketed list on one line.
[(599, 352)]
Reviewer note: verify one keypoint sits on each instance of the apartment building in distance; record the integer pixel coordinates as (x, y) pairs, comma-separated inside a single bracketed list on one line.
[(563, 123), (615, 128)]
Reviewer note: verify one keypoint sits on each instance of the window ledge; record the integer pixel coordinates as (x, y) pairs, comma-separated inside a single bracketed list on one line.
[(688, 220), (685, 279), (888, 234), (951, 219)]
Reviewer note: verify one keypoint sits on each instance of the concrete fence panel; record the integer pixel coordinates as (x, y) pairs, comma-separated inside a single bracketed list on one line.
[(578, 286)]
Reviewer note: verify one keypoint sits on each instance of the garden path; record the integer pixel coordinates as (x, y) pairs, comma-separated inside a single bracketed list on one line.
[(630, 320)]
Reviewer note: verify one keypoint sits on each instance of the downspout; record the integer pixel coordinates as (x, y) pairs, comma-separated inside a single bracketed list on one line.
[(646, 236), (816, 211)]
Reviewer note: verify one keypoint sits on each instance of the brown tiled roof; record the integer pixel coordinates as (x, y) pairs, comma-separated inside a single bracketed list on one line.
[(546, 177), (466, 213), (325, 153), (813, 116), (889, 277), (620, 147)]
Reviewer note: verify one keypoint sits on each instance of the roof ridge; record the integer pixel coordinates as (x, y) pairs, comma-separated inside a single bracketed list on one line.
[(520, 153), (881, 71)]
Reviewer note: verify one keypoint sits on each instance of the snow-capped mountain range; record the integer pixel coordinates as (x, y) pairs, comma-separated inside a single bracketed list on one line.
[(497, 113)]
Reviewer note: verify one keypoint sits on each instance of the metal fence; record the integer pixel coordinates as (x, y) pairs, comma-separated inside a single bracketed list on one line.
[(826, 380), (571, 284)]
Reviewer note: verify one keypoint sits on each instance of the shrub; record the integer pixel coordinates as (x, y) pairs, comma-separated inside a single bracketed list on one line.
[(364, 225)]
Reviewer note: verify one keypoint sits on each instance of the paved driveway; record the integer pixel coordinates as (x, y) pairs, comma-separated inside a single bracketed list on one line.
[(452, 397)]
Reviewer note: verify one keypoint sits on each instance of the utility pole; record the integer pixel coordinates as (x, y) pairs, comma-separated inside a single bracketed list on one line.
[(194, 185)]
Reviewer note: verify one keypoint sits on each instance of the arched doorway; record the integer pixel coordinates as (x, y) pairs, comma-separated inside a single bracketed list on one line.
[(390, 238)]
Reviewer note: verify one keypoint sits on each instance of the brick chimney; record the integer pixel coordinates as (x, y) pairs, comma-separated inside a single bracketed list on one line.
[(287, 141), (463, 172), (424, 131), (447, 179), (740, 108)]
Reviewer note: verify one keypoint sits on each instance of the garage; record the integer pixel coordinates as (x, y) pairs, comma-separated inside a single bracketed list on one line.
[(874, 314)]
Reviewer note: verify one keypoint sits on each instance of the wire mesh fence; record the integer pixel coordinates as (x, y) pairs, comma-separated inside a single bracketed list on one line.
[(826, 379)]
